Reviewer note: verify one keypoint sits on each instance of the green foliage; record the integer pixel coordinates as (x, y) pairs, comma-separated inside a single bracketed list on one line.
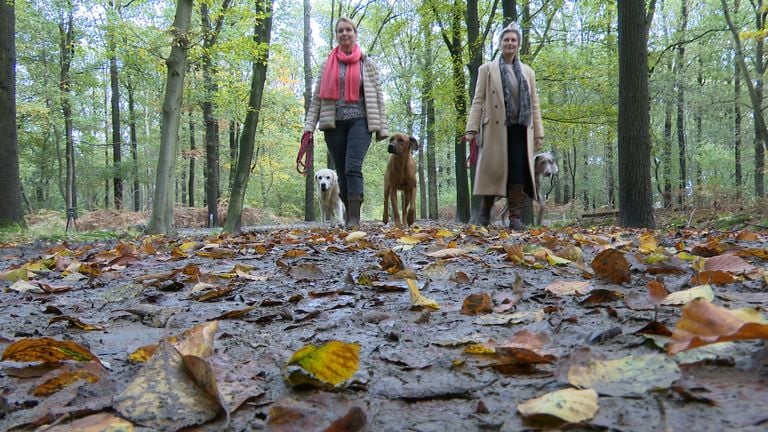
[(573, 51)]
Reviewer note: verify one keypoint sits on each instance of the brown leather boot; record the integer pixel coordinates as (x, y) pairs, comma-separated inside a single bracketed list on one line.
[(486, 204), (516, 202), (352, 220)]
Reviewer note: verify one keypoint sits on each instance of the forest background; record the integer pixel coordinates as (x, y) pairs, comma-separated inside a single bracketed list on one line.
[(92, 73)]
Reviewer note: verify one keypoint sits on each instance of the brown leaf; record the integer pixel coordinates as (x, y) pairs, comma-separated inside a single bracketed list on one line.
[(100, 422), (75, 322), (163, 396), (391, 262), (728, 263), (703, 323), (611, 265), (321, 412), (476, 304)]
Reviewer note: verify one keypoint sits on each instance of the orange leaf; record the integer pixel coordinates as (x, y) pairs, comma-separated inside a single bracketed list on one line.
[(657, 292), (703, 323), (476, 304), (716, 277), (612, 266), (69, 374), (47, 350)]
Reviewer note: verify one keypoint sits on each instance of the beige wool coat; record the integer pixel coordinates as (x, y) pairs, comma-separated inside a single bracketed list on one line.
[(486, 119), (323, 111)]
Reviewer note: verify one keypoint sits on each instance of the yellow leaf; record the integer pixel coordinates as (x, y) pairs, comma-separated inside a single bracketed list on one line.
[(355, 236), (409, 240), (569, 404), (332, 363), (101, 422), (555, 260), (648, 243), (685, 296), (479, 349), (418, 299)]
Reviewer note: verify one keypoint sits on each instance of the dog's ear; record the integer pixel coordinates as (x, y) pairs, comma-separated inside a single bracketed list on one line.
[(414, 143), (335, 176)]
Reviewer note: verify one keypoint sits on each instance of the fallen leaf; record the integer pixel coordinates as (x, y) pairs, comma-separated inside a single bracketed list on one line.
[(320, 412), (685, 296), (355, 236), (648, 243), (101, 422), (332, 363), (46, 350), (418, 299), (68, 374), (448, 253), (476, 304), (657, 292), (569, 404), (715, 277), (728, 263), (630, 376), (163, 396), (562, 288), (611, 265), (703, 323)]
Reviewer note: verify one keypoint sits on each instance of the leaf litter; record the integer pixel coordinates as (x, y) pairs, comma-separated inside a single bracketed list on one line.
[(434, 328)]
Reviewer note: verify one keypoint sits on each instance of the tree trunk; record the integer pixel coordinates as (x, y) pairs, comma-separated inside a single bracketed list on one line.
[(11, 212), (262, 33), (117, 146), (212, 178), (135, 188), (509, 11), (737, 118), (666, 190), (429, 146), (309, 183), (636, 203), (455, 47), (755, 91), (680, 87), (67, 49), (192, 160), (234, 135), (161, 219)]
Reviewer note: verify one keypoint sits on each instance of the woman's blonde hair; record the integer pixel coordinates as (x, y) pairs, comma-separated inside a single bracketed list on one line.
[(512, 27), (348, 21)]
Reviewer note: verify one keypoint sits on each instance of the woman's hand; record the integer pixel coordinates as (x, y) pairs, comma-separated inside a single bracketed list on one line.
[(538, 143)]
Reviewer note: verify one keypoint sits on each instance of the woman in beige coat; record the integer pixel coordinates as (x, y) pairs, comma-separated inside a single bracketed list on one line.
[(505, 113), (348, 104)]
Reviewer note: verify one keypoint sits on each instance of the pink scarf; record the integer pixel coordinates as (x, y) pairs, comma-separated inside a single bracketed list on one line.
[(329, 85)]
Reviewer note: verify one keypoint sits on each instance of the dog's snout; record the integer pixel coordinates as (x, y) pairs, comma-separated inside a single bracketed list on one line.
[(391, 148)]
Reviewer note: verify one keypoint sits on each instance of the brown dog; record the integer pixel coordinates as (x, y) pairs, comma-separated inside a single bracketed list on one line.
[(401, 175)]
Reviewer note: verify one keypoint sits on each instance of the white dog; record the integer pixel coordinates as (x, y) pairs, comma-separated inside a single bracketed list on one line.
[(327, 191)]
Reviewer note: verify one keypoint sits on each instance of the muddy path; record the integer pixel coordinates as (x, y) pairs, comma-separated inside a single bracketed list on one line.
[(519, 314)]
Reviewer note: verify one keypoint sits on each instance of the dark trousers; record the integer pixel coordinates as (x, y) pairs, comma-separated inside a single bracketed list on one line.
[(517, 157), (348, 143)]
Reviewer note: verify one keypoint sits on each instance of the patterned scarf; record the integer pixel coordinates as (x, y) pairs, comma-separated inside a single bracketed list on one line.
[(524, 114), (329, 86)]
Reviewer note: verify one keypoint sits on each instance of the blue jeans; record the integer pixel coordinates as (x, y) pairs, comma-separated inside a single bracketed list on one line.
[(348, 143)]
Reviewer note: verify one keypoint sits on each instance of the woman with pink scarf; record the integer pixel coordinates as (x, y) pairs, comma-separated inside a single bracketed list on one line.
[(348, 106)]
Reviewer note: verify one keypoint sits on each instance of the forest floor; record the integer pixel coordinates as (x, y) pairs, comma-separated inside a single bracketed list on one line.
[(440, 327)]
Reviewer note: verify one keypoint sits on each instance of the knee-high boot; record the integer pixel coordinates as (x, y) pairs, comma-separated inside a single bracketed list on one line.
[(486, 204), (353, 212), (516, 202)]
